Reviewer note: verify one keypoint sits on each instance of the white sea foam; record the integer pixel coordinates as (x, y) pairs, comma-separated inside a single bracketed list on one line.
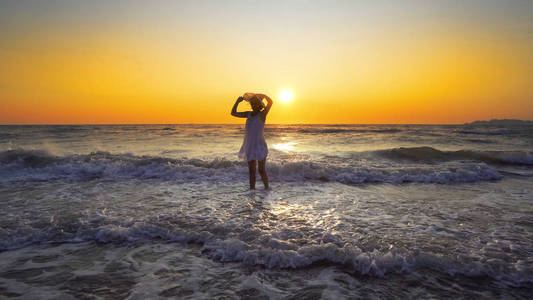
[(220, 242), (22, 165)]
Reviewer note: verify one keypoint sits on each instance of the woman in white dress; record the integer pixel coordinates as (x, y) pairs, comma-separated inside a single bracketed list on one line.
[(254, 148)]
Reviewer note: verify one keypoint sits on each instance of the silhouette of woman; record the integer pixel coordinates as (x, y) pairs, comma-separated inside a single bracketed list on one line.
[(254, 148)]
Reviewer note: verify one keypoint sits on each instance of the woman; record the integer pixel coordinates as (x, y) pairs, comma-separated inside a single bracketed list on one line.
[(254, 148)]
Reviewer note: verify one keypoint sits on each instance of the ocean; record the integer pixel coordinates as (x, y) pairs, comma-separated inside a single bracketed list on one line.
[(354, 211)]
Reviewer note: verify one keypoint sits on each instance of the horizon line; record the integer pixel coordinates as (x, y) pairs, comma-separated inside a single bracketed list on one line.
[(110, 124), (115, 124)]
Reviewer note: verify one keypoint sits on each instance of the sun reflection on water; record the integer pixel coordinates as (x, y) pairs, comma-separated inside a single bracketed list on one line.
[(285, 147), (304, 216)]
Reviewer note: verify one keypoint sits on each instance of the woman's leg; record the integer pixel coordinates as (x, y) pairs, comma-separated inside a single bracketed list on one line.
[(251, 170), (262, 171)]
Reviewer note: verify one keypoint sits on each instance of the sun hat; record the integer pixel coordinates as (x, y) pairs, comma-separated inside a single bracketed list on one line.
[(248, 96)]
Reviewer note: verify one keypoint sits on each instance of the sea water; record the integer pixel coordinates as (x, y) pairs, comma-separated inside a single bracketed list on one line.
[(354, 211)]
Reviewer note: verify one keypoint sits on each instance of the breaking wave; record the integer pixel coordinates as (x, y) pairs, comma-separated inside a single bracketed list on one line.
[(231, 242), (34, 165), (429, 154)]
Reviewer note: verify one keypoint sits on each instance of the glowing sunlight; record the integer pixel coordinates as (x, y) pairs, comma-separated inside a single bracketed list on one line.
[(285, 96), (284, 147)]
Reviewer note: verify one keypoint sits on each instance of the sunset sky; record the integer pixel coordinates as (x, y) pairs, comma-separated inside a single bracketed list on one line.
[(187, 61)]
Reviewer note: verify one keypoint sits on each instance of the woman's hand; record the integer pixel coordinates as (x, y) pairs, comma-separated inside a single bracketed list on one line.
[(267, 107), (234, 111), (264, 97)]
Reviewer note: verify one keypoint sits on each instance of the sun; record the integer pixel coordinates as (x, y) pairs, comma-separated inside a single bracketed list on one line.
[(285, 96)]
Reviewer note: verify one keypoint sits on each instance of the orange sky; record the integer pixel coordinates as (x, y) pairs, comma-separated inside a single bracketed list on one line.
[(187, 62)]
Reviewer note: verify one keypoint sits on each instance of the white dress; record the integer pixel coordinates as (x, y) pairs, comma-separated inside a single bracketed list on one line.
[(254, 146)]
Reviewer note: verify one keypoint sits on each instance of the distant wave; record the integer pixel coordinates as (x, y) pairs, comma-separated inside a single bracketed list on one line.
[(242, 243), (341, 130), (481, 141), (483, 132), (7, 135), (429, 154), (31, 165)]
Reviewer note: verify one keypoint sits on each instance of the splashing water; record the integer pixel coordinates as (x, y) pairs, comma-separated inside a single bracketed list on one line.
[(354, 211)]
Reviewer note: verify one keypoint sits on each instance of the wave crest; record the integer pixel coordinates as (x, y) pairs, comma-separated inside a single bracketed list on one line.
[(231, 242), (24, 165), (429, 154), (483, 132)]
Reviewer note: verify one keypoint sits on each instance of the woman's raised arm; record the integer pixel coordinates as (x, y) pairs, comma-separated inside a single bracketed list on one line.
[(235, 113), (269, 103)]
